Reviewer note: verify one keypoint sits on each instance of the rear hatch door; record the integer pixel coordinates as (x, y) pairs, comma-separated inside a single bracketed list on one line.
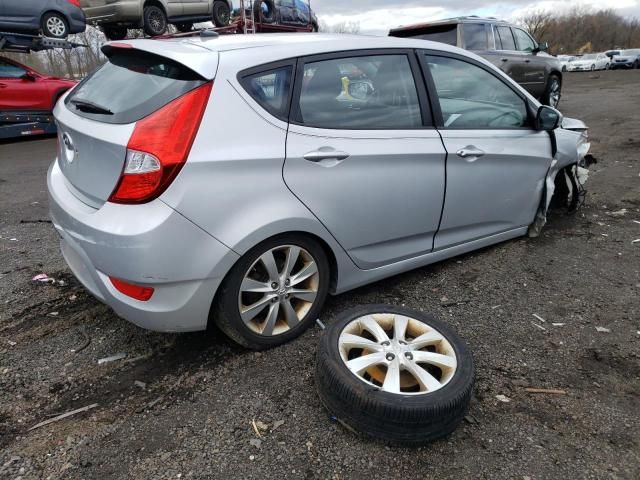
[(97, 118)]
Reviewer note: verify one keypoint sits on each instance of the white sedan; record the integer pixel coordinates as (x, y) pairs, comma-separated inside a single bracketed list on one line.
[(589, 62)]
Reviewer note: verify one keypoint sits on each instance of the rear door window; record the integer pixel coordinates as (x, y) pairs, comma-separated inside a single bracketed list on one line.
[(375, 92), (506, 38), (475, 36), (271, 89), (130, 86)]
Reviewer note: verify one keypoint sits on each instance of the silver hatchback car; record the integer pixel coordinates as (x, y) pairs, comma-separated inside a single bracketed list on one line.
[(240, 179)]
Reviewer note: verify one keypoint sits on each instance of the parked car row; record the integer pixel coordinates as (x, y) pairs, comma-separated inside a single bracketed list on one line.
[(610, 59)]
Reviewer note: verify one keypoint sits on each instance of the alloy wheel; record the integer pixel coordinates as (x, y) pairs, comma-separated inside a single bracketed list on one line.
[(397, 354), (157, 21), (56, 26), (554, 93), (278, 290)]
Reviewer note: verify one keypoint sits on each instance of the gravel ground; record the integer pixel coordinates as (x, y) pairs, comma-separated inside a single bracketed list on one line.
[(182, 406)]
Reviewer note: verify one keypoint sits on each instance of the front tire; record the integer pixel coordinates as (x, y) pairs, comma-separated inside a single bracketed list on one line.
[(155, 21), (394, 374), (274, 292), (553, 91), (55, 25), (262, 15)]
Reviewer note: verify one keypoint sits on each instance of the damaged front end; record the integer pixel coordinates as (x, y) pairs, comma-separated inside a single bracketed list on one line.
[(564, 183)]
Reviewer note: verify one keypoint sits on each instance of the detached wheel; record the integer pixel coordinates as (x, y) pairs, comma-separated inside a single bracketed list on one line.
[(552, 91), (221, 13), (273, 293), (115, 32), (394, 374), (155, 21), (55, 25)]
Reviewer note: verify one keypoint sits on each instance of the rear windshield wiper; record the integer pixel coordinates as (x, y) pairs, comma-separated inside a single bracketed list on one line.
[(90, 107)]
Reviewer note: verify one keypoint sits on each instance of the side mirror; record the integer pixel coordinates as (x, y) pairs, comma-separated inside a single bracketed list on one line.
[(548, 118), (542, 47), (28, 77)]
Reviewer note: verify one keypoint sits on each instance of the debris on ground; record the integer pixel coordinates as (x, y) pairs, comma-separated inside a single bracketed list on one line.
[(112, 358), (539, 318), (255, 428), (43, 278), (602, 330), (503, 398), (550, 391), (558, 324), (539, 326), (63, 416), (255, 442), (618, 213), (85, 343), (140, 384), (279, 423), (320, 324)]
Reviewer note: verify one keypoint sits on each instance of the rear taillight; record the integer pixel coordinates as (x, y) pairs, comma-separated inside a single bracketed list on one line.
[(74, 2), (159, 147), (131, 290)]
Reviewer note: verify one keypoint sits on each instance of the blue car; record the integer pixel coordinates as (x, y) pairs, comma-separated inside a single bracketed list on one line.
[(52, 18)]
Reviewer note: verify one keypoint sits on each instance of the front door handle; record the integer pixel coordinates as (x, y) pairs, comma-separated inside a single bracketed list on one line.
[(504, 59), (3, 85), (325, 154), (470, 153)]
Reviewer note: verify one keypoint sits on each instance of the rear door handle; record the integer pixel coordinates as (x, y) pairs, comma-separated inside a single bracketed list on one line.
[(504, 59), (527, 61), (470, 153), (322, 154)]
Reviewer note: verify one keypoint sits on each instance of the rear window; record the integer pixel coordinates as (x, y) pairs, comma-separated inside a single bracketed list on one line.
[(437, 33), (475, 36), (130, 86)]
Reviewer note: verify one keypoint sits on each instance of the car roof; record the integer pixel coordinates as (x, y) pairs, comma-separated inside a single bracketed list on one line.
[(447, 21), (252, 50)]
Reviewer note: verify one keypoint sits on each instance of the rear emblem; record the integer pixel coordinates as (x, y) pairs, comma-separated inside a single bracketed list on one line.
[(69, 149)]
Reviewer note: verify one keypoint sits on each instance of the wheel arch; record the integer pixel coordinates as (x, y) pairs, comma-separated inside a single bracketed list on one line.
[(154, 3)]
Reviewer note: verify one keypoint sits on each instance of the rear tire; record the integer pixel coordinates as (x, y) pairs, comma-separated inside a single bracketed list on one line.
[(553, 91), (221, 13), (155, 21), (250, 283), (184, 27), (55, 25), (265, 17), (115, 32)]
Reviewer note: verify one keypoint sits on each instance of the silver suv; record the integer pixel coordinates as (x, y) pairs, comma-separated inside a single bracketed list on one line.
[(241, 179), (116, 16)]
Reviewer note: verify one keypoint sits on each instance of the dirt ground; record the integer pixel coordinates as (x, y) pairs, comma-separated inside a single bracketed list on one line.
[(191, 417)]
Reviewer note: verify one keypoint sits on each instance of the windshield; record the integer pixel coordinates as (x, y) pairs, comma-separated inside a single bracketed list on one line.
[(130, 86), (588, 56)]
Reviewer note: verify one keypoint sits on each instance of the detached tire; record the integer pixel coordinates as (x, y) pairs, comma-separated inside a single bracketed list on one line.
[(221, 14), (155, 21), (357, 380)]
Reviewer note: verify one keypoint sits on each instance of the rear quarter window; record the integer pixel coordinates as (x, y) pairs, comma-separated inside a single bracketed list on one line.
[(475, 36), (130, 86), (271, 89)]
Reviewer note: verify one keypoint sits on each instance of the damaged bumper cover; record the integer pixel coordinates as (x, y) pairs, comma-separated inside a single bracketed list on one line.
[(571, 159)]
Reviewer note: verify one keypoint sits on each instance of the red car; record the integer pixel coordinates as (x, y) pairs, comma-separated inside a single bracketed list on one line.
[(25, 90)]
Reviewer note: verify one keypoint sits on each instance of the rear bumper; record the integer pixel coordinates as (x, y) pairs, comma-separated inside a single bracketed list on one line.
[(123, 11), (150, 245)]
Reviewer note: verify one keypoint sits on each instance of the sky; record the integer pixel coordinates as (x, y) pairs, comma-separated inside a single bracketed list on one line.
[(377, 16)]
